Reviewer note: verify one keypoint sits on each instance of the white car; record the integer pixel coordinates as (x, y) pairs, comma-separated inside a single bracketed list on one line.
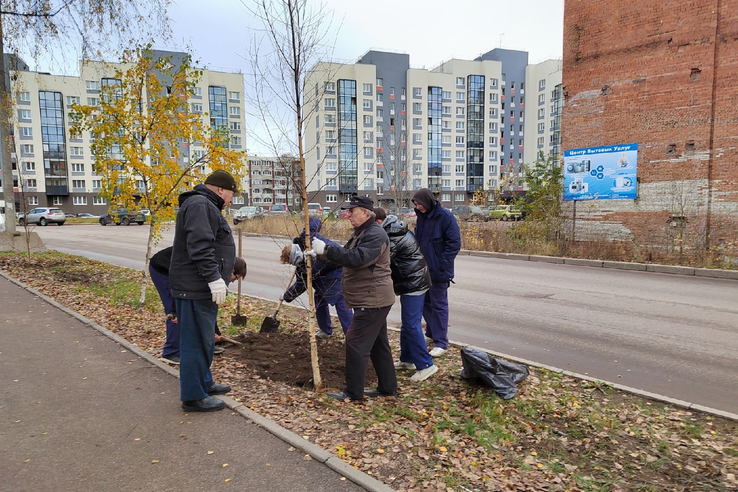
[(44, 216)]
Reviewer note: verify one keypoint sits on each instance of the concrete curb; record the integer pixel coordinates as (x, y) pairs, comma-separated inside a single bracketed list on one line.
[(618, 265), (315, 452)]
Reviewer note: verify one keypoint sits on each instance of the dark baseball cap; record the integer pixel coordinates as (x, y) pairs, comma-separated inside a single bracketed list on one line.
[(359, 201)]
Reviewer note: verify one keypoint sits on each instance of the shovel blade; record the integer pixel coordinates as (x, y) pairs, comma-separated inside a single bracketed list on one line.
[(239, 320), (269, 325)]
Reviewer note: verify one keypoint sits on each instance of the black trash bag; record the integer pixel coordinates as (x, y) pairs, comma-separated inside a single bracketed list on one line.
[(500, 375)]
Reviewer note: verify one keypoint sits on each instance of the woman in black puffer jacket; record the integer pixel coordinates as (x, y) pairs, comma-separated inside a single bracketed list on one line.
[(411, 281)]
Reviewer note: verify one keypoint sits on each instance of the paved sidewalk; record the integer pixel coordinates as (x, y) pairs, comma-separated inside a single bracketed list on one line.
[(81, 412)]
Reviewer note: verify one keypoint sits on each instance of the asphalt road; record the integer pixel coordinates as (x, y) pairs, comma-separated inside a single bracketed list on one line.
[(667, 334)]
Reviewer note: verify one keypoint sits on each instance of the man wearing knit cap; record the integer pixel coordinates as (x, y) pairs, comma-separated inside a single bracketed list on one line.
[(203, 256), (438, 235), (367, 288)]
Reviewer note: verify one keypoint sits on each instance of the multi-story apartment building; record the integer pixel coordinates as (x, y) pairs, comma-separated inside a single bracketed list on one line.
[(272, 180), (381, 128), (545, 95), (56, 169)]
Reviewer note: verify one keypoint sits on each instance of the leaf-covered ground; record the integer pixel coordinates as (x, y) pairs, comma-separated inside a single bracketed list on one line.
[(446, 434)]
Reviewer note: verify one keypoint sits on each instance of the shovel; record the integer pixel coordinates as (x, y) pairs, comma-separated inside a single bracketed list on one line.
[(271, 323), (237, 319)]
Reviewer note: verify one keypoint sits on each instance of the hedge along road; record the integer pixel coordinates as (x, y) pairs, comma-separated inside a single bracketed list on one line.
[(667, 334)]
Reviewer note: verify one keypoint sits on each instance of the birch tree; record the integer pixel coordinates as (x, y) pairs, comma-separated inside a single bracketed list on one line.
[(142, 133), (64, 29)]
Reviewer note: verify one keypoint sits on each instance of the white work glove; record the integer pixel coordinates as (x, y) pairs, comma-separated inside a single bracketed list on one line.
[(318, 246), (219, 289), (296, 255)]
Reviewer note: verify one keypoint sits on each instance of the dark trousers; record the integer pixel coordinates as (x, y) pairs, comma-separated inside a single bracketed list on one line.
[(197, 328), (332, 297), (161, 282), (435, 312), (367, 339), (412, 344)]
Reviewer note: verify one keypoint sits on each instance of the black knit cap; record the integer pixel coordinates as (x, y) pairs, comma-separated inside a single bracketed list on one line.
[(359, 201), (222, 179)]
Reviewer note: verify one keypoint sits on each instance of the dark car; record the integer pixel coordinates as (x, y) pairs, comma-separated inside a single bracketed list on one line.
[(122, 216), (470, 212)]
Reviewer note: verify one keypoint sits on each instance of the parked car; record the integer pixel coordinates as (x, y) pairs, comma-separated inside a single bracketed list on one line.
[(469, 212), (70, 215), (122, 216), (315, 209), (85, 215), (278, 209), (244, 213), (506, 212), (44, 216)]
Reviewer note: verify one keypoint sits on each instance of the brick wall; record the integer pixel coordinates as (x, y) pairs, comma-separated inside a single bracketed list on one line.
[(664, 75)]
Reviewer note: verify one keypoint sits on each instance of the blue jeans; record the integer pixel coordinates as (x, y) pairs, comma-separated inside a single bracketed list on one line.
[(161, 282), (323, 314), (197, 328), (412, 343), (435, 312)]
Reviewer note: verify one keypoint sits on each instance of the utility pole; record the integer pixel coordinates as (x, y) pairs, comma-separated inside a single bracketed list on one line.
[(5, 159)]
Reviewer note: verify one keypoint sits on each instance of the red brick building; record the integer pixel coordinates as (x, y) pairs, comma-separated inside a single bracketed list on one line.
[(663, 75)]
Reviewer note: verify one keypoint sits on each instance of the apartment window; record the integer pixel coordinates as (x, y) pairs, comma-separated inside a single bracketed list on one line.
[(459, 183), (446, 110), (25, 96), (493, 141), (541, 127), (445, 94), (33, 200), (368, 152), (459, 111), (331, 198), (493, 83), (460, 125), (459, 139), (27, 149), (236, 141), (459, 169), (417, 154), (78, 183), (445, 139), (92, 85), (330, 135), (367, 88), (446, 183), (493, 112), (27, 131), (542, 85), (367, 104), (368, 167), (541, 99), (417, 138), (541, 113), (197, 108), (31, 183), (368, 136), (330, 118), (79, 200), (330, 103), (417, 108), (72, 100), (445, 125), (24, 114), (460, 154), (380, 98), (460, 96), (417, 123), (540, 142), (78, 167), (446, 169), (417, 92), (493, 98), (234, 96), (29, 166), (492, 157), (380, 82), (96, 184), (76, 151), (460, 81), (93, 101), (197, 91), (234, 110), (493, 126), (446, 154), (235, 126)]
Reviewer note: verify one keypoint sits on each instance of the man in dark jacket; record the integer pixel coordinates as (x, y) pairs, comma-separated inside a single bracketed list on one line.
[(326, 285), (411, 281), (203, 255), (367, 288), (440, 241)]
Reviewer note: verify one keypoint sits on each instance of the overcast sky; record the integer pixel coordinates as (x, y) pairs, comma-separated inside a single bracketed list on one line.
[(430, 31)]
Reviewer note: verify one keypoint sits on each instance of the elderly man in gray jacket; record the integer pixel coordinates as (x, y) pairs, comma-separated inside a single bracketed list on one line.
[(367, 288)]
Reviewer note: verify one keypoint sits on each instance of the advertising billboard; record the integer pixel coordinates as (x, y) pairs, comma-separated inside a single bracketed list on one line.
[(601, 173)]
